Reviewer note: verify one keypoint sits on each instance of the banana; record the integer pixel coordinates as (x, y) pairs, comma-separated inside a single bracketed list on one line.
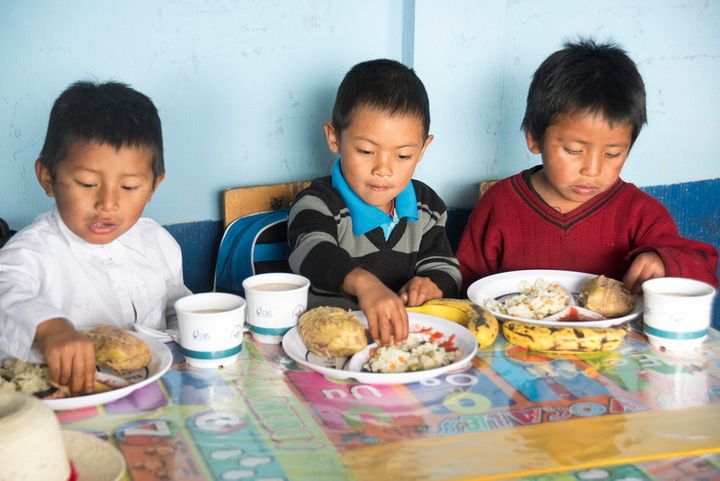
[(572, 339), (479, 321)]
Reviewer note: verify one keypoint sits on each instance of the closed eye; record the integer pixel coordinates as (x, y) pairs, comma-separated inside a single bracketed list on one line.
[(364, 152), (130, 188), (573, 152), (84, 185), (614, 155)]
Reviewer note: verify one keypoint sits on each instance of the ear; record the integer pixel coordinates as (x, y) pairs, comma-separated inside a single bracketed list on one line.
[(533, 145), (159, 179), (44, 177), (428, 141), (333, 140)]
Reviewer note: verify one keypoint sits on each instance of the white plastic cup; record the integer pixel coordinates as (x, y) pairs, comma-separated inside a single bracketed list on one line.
[(677, 312), (211, 328), (275, 301)]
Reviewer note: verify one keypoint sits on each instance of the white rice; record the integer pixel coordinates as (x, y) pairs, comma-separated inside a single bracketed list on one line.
[(421, 351), (535, 301), (25, 377)]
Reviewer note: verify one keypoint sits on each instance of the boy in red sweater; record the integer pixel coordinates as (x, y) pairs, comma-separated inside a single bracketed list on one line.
[(585, 108)]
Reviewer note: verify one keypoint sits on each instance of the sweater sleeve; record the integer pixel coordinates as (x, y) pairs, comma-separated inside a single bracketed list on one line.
[(480, 249), (656, 231), (315, 251), (436, 260)]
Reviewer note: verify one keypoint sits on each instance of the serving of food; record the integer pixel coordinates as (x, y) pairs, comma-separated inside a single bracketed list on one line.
[(422, 350), (552, 297), (126, 361), (334, 342)]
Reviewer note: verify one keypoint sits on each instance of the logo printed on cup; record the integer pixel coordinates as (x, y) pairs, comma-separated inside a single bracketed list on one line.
[(260, 312), (200, 336)]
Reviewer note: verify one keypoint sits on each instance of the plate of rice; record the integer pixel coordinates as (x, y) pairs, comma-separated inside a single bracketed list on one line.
[(434, 347), (540, 296)]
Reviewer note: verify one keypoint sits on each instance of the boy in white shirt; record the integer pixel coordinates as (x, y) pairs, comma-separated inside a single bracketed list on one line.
[(92, 259)]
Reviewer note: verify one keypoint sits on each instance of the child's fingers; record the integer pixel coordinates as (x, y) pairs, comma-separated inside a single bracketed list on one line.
[(77, 382), (385, 326), (53, 362), (400, 326), (373, 325), (89, 371)]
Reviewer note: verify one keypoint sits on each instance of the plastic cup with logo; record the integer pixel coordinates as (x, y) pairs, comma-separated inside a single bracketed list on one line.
[(211, 328), (677, 312), (275, 302)]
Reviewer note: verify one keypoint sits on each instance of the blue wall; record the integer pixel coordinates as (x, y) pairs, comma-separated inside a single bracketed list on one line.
[(243, 87)]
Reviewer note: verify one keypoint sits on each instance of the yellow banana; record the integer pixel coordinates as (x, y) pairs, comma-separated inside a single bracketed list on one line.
[(572, 339), (456, 310), (479, 321)]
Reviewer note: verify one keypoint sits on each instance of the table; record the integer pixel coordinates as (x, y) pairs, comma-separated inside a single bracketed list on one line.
[(633, 414)]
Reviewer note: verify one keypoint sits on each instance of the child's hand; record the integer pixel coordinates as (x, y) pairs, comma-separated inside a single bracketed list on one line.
[(647, 265), (418, 290), (69, 355), (384, 310)]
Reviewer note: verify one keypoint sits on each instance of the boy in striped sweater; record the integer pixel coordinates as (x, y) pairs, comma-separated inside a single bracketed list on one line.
[(369, 233)]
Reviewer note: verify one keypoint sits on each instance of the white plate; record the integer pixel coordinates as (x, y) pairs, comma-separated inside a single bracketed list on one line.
[(159, 364), (464, 341), (507, 283)]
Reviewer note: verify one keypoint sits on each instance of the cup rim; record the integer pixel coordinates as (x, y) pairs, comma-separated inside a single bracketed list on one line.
[(249, 282), (655, 287), (180, 304)]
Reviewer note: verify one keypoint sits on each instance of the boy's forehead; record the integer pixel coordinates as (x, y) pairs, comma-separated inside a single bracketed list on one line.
[(368, 116), (89, 150)]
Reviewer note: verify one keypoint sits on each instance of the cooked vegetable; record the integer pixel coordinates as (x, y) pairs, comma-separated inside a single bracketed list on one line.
[(118, 349), (331, 331), (607, 297)]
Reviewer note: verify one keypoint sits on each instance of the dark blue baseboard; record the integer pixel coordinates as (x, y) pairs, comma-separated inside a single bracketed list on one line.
[(693, 205)]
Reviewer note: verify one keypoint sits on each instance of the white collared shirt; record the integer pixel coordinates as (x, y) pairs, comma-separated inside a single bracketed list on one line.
[(46, 271)]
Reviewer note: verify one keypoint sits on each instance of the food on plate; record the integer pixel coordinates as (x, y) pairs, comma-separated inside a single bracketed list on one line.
[(30, 378), (575, 339), (481, 322), (606, 296), (331, 331), (34, 378), (119, 350), (456, 310), (422, 350), (535, 301)]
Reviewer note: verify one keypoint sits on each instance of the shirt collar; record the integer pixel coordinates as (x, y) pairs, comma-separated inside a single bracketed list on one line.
[(130, 239), (366, 217)]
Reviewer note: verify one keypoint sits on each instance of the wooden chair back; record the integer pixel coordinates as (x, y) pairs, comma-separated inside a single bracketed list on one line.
[(241, 201)]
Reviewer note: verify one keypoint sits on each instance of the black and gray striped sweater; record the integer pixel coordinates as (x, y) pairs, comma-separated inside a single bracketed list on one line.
[(324, 249)]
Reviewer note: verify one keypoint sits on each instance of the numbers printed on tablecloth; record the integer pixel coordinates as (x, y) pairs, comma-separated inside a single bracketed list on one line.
[(162, 429)]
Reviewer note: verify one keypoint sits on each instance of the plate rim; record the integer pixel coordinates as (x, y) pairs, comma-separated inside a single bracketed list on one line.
[(96, 399), (524, 274), (386, 378)]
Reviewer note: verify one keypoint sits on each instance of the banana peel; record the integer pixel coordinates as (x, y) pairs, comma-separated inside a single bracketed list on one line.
[(481, 322)]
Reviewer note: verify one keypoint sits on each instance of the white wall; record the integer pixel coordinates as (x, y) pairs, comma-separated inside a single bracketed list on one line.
[(244, 86)]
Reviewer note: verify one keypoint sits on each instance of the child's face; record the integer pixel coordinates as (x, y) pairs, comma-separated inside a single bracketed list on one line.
[(378, 153), (100, 191), (582, 157)]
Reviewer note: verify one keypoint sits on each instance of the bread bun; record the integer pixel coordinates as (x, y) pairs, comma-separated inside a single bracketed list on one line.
[(331, 331)]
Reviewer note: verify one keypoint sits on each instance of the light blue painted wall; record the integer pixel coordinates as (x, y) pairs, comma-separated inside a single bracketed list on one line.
[(244, 86)]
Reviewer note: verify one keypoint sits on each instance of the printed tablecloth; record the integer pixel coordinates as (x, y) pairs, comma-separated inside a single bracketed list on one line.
[(633, 414)]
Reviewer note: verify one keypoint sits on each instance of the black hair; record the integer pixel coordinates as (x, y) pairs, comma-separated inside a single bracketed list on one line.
[(586, 77), (381, 84), (109, 113)]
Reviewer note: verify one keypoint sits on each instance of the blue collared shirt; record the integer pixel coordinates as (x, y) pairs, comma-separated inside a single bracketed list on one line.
[(366, 217)]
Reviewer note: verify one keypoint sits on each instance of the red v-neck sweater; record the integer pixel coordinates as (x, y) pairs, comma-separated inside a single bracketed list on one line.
[(512, 228)]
